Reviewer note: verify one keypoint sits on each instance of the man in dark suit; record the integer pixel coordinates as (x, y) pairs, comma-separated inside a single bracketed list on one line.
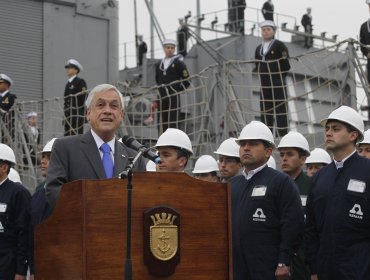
[(170, 69), (7, 101), (84, 156), (74, 98), (14, 221), (272, 66)]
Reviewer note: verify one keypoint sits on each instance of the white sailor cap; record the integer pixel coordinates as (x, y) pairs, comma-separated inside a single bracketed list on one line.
[(169, 42), (6, 78), (31, 114), (74, 63), (268, 23)]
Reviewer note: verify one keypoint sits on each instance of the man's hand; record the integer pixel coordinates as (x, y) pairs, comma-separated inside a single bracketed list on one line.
[(282, 273), (314, 277), (20, 277)]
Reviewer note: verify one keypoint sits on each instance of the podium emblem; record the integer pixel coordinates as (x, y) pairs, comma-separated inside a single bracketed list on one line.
[(163, 236), (161, 232)]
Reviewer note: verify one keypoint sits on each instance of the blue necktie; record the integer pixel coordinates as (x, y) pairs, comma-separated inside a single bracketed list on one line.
[(107, 160)]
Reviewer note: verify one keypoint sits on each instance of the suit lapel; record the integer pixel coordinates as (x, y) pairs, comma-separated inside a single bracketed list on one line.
[(120, 158), (91, 152)]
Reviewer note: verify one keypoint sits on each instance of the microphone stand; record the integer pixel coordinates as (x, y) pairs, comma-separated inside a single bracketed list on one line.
[(123, 175)]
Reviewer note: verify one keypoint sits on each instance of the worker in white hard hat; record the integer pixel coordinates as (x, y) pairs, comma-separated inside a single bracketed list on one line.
[(206, 169), (169, 70), (39, 207), (365, 42), (363, 147), (317, 160), (174, 148), (293, 150), (14, 221), (338, 208), (74, 99), (267, 216), (228, 159)]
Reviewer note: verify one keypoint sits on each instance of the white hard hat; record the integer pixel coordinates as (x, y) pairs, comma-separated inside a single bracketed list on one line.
[(228, 148), (7, 154), (349, 116), (366, 139), (74, 63), (205, 164), (176, 138), (4, 77), (267, 23), (294, 140), (271, 162), (151, 166), (49, 145), (319, 155), (14, 176), (256, 130), (169, 42)]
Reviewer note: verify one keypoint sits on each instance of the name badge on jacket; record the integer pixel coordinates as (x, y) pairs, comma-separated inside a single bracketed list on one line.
[(259, 191), (3, 207), (356, 186)]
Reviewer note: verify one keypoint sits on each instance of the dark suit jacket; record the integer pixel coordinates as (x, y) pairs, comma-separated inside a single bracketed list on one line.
[(77, 157)]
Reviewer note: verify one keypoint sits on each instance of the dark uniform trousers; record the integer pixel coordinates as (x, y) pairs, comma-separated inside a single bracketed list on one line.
[(267, 224), (272, 69), (338, 221), (14, 229), (300, 269), (74, 110), (169, 102)]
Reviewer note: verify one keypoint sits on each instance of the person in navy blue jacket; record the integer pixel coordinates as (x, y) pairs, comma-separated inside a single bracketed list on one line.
[(338, 206), (40, 209), (267, 215), (14, 221)]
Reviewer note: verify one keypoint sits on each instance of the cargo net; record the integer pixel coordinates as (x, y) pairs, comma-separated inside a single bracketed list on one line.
[(210, 107)]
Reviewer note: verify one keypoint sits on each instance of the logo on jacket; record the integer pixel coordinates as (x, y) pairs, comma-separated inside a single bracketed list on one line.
[(356, 212), (1, 227), (259, 216)]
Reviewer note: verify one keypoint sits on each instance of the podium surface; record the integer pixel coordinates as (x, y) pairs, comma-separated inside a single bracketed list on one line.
[(85, 237)]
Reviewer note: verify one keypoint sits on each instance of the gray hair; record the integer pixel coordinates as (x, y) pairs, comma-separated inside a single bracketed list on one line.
[(103, 88)]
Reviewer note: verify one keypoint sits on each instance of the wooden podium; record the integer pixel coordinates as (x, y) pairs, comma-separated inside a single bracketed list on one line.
[(85, 237)]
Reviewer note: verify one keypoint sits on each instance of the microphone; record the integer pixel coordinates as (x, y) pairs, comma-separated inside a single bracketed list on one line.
[(132, 143)]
